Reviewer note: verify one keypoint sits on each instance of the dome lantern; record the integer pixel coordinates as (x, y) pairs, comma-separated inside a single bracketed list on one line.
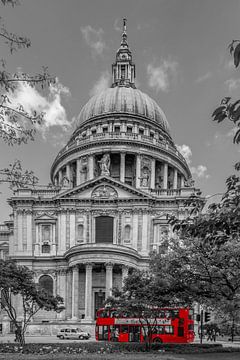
[(123, 70)]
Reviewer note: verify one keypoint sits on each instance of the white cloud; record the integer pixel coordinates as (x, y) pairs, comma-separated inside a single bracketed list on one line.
[(229, 65), (185, 151), (159, 75), (204, 77), (51, 106), (101, 84), (94, 39), (232, 84), (201, 170)]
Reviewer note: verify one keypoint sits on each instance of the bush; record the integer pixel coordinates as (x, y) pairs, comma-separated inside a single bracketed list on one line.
[(106, 348)]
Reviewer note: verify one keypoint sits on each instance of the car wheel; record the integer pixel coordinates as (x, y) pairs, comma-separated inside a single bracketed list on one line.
[(61, 337), (81, 337)]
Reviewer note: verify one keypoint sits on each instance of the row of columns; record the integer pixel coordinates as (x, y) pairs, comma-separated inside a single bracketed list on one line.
[(72, 289), (122, 172)]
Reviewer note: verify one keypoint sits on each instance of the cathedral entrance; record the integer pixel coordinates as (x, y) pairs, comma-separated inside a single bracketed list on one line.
[(99, 300)]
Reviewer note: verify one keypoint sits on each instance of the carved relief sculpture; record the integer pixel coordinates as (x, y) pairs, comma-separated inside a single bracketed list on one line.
[(65, 181), (104, 191), (189, 182)]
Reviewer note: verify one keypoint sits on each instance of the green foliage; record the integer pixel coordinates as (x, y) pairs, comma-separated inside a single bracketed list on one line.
[(19, 280)]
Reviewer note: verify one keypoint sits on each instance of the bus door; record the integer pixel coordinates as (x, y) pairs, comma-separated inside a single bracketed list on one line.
[(102, 333), (134, 333), (123, 335)]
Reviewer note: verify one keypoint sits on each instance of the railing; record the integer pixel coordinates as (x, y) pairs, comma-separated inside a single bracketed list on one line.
[(166, 192), (124, 136)]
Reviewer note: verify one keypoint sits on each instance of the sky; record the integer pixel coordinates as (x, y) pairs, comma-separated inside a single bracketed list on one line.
[(182, 62)]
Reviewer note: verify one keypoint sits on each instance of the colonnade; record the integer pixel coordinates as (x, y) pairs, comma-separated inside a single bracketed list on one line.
[(68, 286), (152, 182)]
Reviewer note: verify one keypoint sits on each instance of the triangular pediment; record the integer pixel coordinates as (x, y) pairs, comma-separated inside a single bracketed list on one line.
[(45, 217), (103, 188)]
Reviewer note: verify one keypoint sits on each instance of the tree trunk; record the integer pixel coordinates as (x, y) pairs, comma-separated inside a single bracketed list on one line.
[(233, 329)]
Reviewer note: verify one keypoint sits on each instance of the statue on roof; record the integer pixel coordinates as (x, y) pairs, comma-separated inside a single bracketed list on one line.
[(104, 164)]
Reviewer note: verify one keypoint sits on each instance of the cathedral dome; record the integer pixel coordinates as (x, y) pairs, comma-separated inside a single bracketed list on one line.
[(123, 100)]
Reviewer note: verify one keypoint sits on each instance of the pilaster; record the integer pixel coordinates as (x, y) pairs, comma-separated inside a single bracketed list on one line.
[(165, 176), (122, 167), (75, 291), (109, 279)]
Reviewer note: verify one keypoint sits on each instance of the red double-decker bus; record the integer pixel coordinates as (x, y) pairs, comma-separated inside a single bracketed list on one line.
[(168, 326)]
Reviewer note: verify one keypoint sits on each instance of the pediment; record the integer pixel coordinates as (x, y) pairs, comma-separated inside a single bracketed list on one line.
[(45, 217), (103, 188)]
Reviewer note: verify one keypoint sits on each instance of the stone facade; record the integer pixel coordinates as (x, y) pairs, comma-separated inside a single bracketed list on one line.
[(115, 184)]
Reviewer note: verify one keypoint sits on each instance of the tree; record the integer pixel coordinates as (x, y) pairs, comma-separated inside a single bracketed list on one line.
[(228, 109), (17, 126), (17, 177), (142, 295), (205, 259), (19, 280)]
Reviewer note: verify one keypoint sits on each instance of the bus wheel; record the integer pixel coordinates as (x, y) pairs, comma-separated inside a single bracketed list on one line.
[(157, 341)]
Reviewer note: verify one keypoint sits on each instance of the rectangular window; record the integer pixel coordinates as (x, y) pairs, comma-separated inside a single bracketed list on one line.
[(46, 233), (45, 249), (104, 229), (117, 129)]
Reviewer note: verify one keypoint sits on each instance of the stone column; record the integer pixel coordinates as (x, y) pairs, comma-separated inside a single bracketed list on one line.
[(138, 169), (91, 169), (175, 179), (124, 273), (122, 167), (68, 174), (68, 298), (75, 292), (182, 181), (88, 292), (60, 177), (109, 279), (78, 171), (165, 176), (153, 165)]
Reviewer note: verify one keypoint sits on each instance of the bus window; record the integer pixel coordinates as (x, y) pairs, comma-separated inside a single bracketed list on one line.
[(161, 314), (158, 330), (124, 329), (168, 330), (102, 332), (134, 333), (191, 314), (175, 313), (114, 332)]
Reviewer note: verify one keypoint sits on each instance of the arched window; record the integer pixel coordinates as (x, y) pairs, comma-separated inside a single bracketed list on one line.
[(80, 233), (46, 283), (127, 233)]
